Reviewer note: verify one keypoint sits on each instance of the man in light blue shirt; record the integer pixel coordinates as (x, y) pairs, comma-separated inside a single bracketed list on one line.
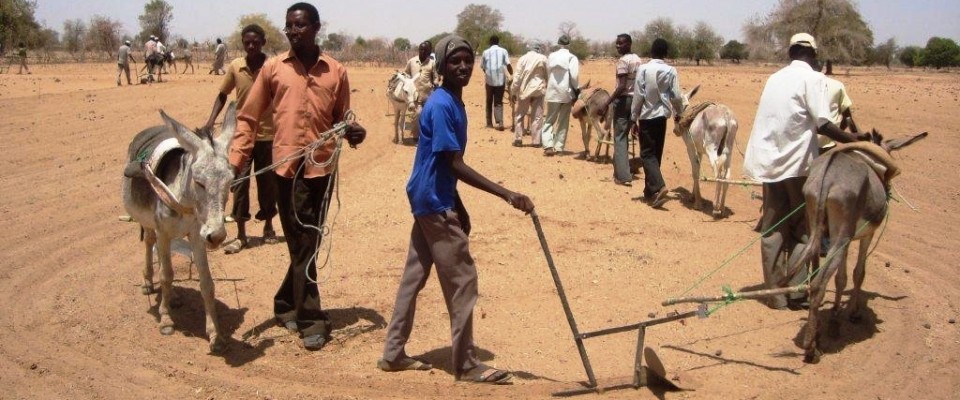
[(494, 63), (656, 96)]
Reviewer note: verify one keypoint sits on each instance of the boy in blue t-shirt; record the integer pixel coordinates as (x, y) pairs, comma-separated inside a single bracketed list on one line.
[(441, 225)]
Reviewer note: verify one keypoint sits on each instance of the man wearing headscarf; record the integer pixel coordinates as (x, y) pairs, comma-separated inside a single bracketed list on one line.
[(441, 225), (527, 92)]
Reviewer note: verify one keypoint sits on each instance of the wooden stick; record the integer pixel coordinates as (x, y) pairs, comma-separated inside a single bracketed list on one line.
[(733, 181), (740, 295)]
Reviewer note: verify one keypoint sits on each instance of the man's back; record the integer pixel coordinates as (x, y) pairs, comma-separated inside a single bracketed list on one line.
[(495, 60), (657, 88), (564, 71), (532, 74), (123, 55)]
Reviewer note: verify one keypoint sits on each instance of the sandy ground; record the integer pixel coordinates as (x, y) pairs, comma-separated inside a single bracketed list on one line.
[(75, 325)]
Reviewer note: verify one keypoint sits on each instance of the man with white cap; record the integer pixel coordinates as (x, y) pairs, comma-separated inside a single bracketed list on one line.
[(793, 109), (527, 90), (123, 61)]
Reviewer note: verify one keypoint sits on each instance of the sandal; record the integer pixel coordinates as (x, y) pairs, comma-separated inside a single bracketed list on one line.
[(486, 374), (404, 364), (270, 237), (235, 246)]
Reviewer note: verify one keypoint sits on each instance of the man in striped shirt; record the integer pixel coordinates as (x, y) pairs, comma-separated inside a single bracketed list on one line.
[(495, 61)]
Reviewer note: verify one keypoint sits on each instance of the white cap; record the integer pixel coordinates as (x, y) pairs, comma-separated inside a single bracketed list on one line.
[(803, 39)]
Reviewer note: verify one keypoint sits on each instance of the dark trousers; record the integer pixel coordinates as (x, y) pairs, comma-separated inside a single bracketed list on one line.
[(266, 186), (438, 240), (298, 299), (621, 139), (652, 135), (781, 247), (494, 104)]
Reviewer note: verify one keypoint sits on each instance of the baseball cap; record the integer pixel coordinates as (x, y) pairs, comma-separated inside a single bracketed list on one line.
[(803, 39), (126, 42)]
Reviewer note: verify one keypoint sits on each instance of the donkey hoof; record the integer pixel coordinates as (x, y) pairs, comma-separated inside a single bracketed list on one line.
[(217, 346), (166, 330), (146, 290)]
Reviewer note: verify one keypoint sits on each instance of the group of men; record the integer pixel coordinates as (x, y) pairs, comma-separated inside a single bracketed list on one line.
[(289, 101), (800, 112)]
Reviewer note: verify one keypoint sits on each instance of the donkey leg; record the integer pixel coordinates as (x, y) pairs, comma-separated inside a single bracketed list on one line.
[(811, 335), (166, 284), (208, 292), (149, 240), (859, 273), (838, 263), (722, 172), (694, 169)]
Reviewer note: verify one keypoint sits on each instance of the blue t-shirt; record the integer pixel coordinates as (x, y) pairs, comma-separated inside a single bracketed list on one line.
[(443, 128)]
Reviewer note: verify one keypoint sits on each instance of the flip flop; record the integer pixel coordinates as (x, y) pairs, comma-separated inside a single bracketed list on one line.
[(486, 374), (234, 246), (270, 237), (404, 364)]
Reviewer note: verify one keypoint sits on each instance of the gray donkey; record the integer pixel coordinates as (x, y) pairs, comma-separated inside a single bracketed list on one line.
[(846, 196), (181, 192)]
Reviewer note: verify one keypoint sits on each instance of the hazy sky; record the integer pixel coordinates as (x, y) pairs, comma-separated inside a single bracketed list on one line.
[(911, 22)]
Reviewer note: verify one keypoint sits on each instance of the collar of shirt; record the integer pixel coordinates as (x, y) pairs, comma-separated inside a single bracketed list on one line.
[(800, 64)]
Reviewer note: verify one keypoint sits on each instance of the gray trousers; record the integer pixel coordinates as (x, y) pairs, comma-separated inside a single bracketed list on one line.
[(781, 247), (531, 107), (554, 132), (621, 139), (437, 239)]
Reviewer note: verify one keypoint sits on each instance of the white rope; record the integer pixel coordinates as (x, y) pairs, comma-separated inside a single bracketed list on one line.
[(903, 198)]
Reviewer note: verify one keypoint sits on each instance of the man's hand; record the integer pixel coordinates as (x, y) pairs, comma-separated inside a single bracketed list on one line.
[(520, 201), (355, 134)]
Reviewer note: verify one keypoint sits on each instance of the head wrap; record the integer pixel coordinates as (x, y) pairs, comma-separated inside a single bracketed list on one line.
[(447, 46), (564, 40)]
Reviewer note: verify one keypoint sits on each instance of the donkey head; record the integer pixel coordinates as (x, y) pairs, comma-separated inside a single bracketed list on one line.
[(210, 175), (895, 144)]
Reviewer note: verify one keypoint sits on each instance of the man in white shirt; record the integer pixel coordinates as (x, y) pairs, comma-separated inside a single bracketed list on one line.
[(793, 108), (529, 86), (622, 100), (840, 111), (494, 63), (563, 72), (656, 96)]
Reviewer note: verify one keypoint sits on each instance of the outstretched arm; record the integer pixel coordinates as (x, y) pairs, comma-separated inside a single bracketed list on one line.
[(473, 178), (218, 104)]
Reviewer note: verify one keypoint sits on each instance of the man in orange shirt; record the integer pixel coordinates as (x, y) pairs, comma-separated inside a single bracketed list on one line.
[(309, 92)]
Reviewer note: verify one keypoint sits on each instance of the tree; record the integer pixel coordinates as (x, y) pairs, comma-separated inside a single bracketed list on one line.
[(104, 34), (155, 20), (941, 52), (276, 40), (883, 53), (18, 23), (477, 22), (733, 51), (335, 42), (74, 32), (401, 44), (706, 42), (910, 56), (842, 34), (658, 28)]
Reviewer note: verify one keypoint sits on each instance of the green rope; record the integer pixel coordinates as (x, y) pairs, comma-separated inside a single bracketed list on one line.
[(742, 250)]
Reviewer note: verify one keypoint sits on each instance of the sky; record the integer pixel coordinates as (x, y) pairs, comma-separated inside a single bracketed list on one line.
[(911, 22)]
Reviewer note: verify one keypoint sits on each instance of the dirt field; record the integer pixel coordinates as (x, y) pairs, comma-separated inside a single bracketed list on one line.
[(74, 324)]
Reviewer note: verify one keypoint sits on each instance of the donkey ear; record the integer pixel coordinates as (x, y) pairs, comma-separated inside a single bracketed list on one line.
[(899, 143), (229, 126), (693, 92), (188, 138)]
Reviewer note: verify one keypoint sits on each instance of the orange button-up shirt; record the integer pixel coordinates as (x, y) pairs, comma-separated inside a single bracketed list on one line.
[(305, 104)]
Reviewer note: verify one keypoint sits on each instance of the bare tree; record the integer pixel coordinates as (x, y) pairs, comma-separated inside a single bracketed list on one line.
[(104, 34), (842, 34), (74, 33), (477, 22), (155, 20)]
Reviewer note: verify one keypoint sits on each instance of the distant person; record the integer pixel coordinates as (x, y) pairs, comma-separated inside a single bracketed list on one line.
[(162, 51), (527, 91), (240, 75), (563, 81), (622, 100), (22, 54), (301, 113), (153, 59), (841, 111), (656, 96), (441, 225), (123, 62), (793, 108), (420, 63), (219, 56), (495, 64)]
